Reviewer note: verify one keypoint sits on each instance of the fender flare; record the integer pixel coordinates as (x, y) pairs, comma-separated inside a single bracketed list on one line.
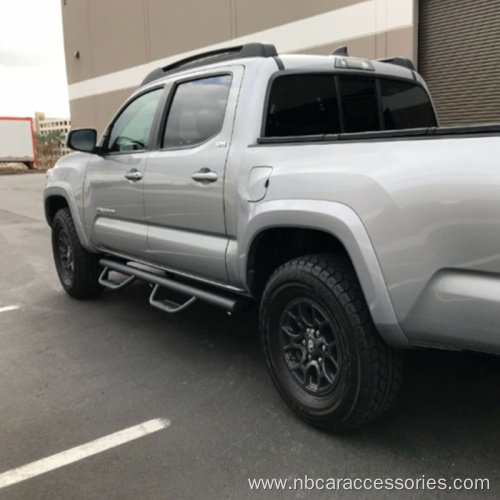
[(343, 223), (63, 189)]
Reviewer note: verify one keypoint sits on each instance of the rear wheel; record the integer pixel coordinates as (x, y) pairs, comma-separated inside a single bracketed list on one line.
[(323, 352), (78, 269)]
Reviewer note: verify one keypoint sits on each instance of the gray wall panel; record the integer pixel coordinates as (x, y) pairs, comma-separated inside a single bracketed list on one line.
[(177, 27), (77, 38), (118, 38)]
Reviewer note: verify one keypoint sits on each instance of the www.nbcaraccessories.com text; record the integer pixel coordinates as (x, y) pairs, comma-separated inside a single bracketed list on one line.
[(420, 483)]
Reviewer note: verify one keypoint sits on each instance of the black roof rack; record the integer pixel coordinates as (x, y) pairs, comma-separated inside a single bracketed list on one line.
[(214, 56), (399, 61)]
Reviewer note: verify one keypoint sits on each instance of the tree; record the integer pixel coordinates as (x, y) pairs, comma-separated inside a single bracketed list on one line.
[(48, 145), (51, 138)]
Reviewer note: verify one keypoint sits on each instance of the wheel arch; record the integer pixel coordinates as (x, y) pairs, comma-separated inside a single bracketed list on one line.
[(59, 195), (274, 246), (52, 205), (326, 227)]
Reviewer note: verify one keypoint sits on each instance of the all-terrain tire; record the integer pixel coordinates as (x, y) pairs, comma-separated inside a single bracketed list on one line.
[(78, 269), (322, 349)]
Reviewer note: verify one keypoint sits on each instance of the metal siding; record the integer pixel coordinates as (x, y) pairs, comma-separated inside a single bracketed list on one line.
[(458, 57)]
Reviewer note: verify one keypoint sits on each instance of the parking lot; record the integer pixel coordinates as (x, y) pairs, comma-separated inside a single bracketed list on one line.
[(72, 372)]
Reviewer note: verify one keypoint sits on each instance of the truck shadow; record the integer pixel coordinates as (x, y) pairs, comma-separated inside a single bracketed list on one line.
[(446, 415)]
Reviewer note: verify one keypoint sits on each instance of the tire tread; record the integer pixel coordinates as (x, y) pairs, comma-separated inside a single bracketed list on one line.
[(86, 282), (381, 376)]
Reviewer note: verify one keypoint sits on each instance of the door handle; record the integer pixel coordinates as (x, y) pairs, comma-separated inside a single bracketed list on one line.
[(204, 175), (133, 175)]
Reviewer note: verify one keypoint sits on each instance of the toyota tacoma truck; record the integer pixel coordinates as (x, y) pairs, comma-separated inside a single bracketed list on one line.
[(320, 188)]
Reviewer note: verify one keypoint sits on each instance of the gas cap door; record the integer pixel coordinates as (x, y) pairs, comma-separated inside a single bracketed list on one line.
[(258, 182)]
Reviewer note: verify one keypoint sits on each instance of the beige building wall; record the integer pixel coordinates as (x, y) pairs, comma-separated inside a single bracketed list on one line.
[(111, 45)]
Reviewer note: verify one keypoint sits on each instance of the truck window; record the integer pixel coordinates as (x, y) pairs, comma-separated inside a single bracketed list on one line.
[(197, 111), (405, 105), (302, 105), (130, 131), (359, 104)]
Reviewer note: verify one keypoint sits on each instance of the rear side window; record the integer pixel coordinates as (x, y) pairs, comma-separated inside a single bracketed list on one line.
[(302, 105), (308, 104), (197, 111), (359, 104), (405, 106)]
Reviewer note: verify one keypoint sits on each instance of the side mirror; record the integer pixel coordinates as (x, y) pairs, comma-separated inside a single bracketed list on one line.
[(82, 139)]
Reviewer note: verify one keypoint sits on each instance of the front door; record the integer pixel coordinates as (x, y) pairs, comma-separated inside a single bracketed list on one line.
[(184, 181), (114, 208)]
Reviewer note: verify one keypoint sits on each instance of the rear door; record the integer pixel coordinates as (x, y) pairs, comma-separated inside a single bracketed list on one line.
[(114, 208), (184, 181)]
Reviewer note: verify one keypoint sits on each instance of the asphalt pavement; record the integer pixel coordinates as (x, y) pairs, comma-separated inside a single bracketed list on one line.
[(72, 372)]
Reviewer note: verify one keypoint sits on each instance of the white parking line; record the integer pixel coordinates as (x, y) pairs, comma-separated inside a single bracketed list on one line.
[(8, 308), (79, 452)]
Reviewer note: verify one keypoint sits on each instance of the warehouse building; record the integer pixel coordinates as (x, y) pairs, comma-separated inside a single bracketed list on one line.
[(111, 46)]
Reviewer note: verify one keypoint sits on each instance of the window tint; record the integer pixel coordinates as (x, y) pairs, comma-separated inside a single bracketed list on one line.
[(197, 111), (359, 104), (302, 105), (405, 106), (131, 130)]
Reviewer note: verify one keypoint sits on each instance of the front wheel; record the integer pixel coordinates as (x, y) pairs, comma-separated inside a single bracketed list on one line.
[(78, 269), (323, 352)]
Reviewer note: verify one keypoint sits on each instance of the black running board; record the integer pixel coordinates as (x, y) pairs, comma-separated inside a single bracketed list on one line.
[(224, 301)]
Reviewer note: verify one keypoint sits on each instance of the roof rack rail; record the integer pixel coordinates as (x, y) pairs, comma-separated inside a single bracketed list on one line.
[(213, 56), (399, 61)]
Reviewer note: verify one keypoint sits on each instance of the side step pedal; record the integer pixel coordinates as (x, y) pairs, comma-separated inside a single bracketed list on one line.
[(167, 305), (231, 303), (105, 281)]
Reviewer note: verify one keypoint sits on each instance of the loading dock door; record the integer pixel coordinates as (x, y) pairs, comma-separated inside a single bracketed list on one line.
[(459, 56)]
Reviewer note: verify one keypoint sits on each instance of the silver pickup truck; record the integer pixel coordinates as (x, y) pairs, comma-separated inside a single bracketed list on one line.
[(320, 188)]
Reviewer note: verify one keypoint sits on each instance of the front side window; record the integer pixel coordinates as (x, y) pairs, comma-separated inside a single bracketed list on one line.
[(197, 111), (301, 105), (132, 128), (405, 105), (359, 104)]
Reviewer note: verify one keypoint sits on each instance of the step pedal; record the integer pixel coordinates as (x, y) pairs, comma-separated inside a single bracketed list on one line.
[(166, 305), (105, 281)]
